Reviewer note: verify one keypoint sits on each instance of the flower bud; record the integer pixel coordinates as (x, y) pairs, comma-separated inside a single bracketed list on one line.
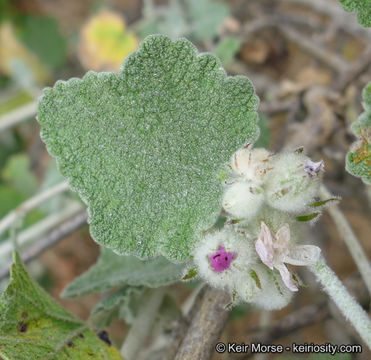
[(293, 183), (243, 199), (221, 256), (251, 164)]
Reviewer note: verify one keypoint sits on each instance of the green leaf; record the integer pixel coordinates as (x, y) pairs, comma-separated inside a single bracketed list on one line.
[(227, 49), (265, 133), (123, 303), (34, 326), (358, 159), (112, 270), (324, 202), (206, 18), (363, 9), (42, 36), (143, 147), (191, 273), (307, 217), (18, 175)]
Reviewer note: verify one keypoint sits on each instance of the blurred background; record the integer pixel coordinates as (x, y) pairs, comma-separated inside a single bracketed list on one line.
[(309, 61)]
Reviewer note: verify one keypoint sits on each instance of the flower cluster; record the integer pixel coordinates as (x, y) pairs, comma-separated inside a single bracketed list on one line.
[(266, 199)]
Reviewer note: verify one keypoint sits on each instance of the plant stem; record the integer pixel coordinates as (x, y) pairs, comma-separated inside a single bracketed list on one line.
[(31, 204), (206, 325), (35, 232), (18, 115), (350, 239), (352, 311), (143, 323), (51, 238)]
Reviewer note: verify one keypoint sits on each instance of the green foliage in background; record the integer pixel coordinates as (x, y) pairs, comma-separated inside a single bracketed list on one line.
[(145, 147), (42, 36), (227, 49), (112, 270), (34, 326), (358, 159), (361, 7), (198, 20)]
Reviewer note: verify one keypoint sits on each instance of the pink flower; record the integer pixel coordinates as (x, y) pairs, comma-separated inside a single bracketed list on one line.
[(221, 260), (275, 250), (313, 168)]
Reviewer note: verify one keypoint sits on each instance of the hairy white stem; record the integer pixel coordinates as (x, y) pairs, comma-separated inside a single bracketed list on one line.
[(351, 310), (34, 232), (350, 239), (143, 323), (31, 204), (18, 115)]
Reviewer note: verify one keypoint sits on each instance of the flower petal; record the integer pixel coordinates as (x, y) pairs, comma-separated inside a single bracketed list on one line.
[(286, 277), (264, 253), (283, 239), (303, 255)]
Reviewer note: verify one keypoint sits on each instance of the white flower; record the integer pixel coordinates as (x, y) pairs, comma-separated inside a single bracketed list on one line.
[(275, 250)]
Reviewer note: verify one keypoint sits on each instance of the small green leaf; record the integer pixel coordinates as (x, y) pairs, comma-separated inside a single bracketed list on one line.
[(143, 146), (255, 277), (227, 49), (112, 270), (34, 326), (324, 202), (361, 7), (307, 217), (18, 175), (123, 303), (358, 159), (191, 273), (206, 18)]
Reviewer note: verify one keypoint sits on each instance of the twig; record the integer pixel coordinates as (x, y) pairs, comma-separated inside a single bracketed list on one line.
[(356, 69), (49, 240), (350, 239), (31, 204), (271, 108), (34, 232), (18, 115), (326, 57), (206, 325), (143, 323), (343, 19)]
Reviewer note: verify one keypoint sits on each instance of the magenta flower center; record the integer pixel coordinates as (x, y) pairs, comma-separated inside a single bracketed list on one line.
[(221, 260)]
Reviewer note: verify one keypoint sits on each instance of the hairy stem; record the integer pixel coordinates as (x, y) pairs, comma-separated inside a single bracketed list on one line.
[(143, 323), (206, 325), (352, 311), (31, 204), (350, 240)]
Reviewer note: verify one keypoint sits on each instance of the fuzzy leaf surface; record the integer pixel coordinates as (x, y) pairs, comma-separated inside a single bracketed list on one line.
[(143, 147), (112, 270), (34, 326), (358, 159), (361, 7)]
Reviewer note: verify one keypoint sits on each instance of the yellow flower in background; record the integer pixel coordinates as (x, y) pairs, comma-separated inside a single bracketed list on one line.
[(105, 42)]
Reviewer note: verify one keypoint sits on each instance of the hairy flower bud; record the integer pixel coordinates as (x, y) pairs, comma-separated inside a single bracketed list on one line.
[(293, 183), (251, 164), (243, 199)]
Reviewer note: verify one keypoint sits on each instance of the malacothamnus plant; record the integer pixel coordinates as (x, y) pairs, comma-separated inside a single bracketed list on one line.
[(158, 152)]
